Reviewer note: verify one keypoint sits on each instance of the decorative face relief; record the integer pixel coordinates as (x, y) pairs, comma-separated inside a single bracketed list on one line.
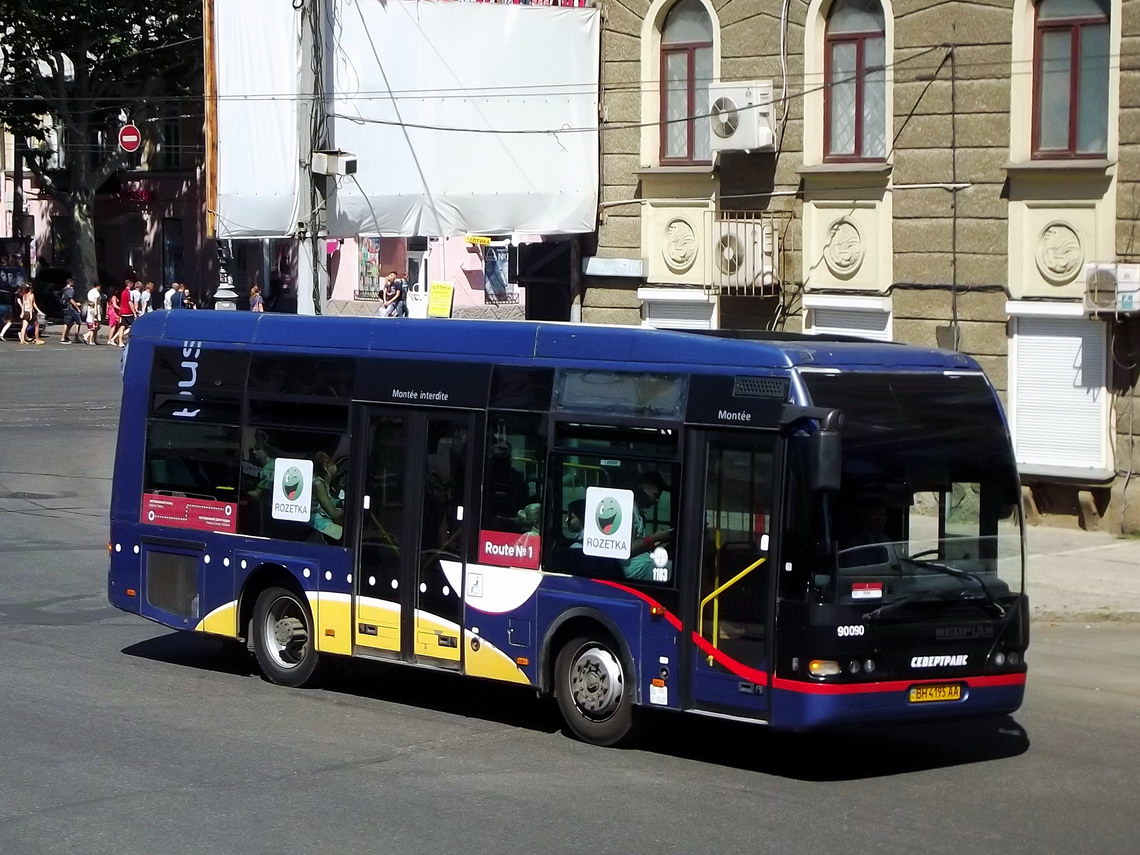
[(1060, 256), (679, 246), (843, 252)]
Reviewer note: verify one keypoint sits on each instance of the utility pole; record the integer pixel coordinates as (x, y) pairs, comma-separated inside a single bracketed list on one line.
[(18, 184), (312, 277)]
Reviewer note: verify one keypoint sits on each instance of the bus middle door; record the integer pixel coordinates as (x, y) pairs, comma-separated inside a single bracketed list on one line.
[(730, 661), (413, 540)]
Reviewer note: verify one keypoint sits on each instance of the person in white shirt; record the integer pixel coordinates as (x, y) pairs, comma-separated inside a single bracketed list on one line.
[(93, 314), (138, 299), (168, 297)]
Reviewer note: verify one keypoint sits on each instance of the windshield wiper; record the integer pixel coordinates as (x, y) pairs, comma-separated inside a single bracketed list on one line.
[(883, 611), (990, 600)]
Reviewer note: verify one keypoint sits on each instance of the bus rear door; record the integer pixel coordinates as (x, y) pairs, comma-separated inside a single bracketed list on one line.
[(412, 534), (732, 592)]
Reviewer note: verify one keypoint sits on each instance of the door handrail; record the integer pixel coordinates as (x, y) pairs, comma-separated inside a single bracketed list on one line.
[(717, 592)]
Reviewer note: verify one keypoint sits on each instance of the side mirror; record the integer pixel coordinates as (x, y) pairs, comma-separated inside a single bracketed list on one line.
[(826, 460)]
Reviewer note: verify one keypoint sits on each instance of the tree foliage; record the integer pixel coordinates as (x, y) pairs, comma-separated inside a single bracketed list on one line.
[(72, 72)]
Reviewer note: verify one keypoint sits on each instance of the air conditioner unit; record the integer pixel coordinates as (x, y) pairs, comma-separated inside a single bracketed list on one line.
[(741, 116), (744, 256), (1112, 287)]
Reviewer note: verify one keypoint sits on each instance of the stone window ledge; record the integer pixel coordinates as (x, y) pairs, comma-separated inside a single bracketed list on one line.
[(846, 167), (1066, 166), (698, 169)]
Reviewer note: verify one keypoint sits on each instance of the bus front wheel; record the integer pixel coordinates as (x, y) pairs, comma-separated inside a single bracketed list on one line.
[(283, 638), (593, 691)]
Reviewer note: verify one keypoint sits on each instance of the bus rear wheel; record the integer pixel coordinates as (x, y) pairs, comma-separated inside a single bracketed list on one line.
[(593, 691), (283, 638)]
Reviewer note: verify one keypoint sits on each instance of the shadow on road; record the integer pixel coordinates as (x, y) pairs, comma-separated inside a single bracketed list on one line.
[(838, 755), (196, 650)]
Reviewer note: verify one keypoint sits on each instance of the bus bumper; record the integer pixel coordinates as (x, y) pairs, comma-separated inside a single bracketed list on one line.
[(807, 706)]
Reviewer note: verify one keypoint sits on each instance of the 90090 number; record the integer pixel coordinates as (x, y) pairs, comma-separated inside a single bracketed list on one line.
[(851, 630)]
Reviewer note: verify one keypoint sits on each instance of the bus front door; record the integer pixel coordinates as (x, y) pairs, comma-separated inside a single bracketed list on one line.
[(731, 624), (412, 535)]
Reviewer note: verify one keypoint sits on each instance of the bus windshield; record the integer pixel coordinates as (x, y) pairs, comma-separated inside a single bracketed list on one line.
[(929, 507)]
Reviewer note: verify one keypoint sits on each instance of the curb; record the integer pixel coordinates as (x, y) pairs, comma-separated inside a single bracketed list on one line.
[(1105, 615)]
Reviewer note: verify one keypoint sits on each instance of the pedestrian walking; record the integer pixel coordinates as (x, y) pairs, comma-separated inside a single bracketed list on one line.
[(29, 316), (71, 315), (93, 314), (256, 304), (124, 313), (114, 321)]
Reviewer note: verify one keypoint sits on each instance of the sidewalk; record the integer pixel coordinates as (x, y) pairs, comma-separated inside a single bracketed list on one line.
[(1075, 575)]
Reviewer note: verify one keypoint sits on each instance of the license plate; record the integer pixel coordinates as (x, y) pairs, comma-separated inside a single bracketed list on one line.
[(939, 692)]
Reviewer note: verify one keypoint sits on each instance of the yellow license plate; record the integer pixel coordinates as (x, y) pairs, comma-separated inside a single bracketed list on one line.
[(940, 692)]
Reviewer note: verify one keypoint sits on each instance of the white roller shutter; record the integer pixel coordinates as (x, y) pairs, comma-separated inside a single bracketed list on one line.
[(1059, 403), (677, 308), (872, 324)]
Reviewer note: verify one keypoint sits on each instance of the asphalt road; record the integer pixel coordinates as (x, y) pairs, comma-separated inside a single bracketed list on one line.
[(119, 736)]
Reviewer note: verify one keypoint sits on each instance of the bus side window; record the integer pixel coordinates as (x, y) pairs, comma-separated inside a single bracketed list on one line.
[(513, 473), (192, 459), (263, 450), (649, 484)]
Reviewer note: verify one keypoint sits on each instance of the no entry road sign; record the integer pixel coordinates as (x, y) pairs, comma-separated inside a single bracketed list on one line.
[(129, 138)]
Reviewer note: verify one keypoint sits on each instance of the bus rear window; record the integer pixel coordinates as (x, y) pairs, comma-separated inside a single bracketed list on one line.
[(191, 459)]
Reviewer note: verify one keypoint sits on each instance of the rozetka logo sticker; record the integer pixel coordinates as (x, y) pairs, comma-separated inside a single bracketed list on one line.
[(608, 515), (293, 483), (608, 526), (292, 489)]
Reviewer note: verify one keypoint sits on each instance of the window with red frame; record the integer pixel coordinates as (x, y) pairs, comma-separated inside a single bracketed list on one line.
[(855, 92), (686, 71), (1070, 71)]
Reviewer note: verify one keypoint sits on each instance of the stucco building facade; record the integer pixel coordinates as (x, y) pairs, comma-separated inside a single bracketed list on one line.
[(939, 173)]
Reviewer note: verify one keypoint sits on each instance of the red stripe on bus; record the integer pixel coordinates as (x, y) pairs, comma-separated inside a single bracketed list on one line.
[(739, 669), (736, 668), (893, 685), (669, 616)]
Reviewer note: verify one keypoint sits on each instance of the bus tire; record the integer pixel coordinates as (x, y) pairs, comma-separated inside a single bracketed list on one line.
[(594, 692), (284, 641)]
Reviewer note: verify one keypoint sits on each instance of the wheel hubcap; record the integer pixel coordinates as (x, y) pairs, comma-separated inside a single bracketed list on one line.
[(287, 633), (596, 683)]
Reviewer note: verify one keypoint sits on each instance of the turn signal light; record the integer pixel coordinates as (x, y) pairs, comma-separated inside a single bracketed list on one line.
[(522, 660), (131, 592), (823, 667), (657, 611)]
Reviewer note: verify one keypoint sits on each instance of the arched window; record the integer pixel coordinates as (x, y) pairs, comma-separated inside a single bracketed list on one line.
[(855, 93), (1070, 71), (686, 71)]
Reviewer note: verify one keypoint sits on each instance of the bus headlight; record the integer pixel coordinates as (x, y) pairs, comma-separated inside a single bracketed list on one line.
[(823, 667), (1014, 658), (869, 665), (999, 659)]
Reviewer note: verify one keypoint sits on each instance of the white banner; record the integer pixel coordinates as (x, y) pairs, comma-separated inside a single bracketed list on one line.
[(465, 118), (258, 63)]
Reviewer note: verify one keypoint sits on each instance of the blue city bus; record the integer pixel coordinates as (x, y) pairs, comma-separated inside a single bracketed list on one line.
[(796, 531)]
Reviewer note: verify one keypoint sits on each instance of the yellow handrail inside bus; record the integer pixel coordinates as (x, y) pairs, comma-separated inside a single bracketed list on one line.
[(720, 590)]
